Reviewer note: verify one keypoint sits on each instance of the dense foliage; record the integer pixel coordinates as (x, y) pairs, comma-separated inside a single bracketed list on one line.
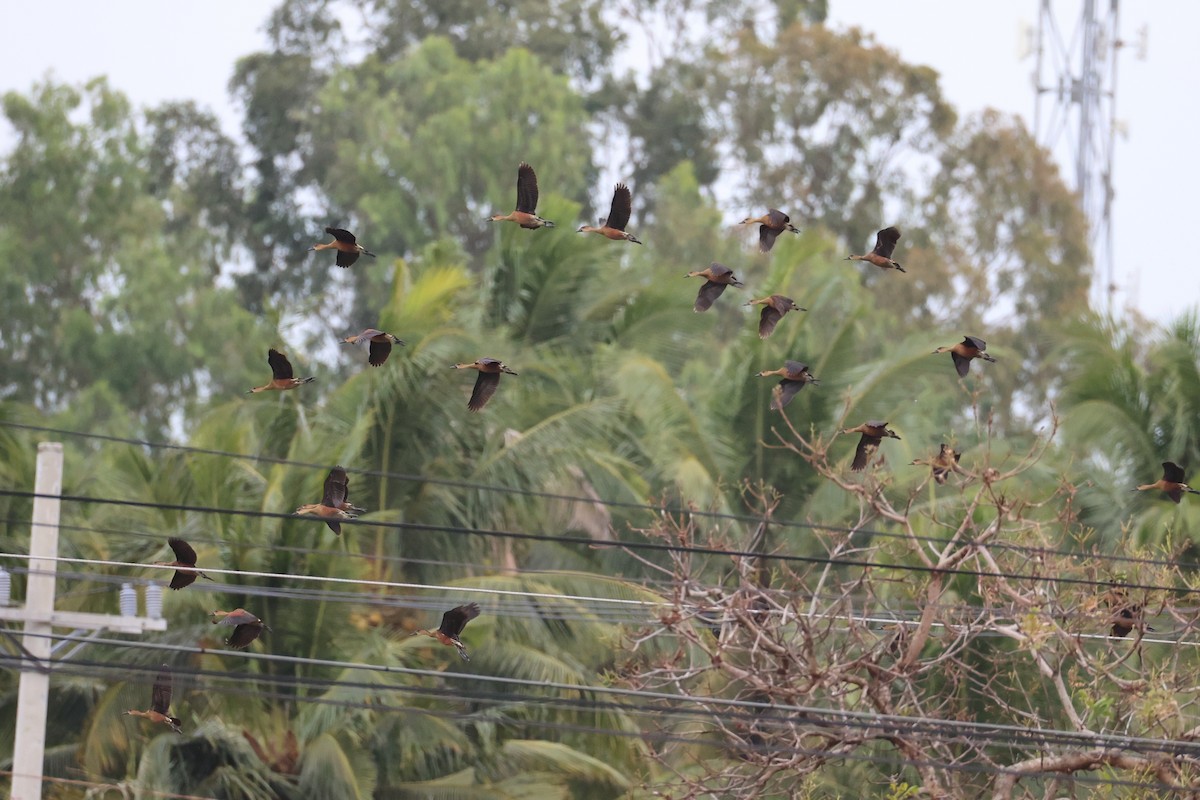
[(148, 260)]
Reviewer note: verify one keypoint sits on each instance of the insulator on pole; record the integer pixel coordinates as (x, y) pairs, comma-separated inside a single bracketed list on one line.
[(128, 600), (5, 587), (154, 601)]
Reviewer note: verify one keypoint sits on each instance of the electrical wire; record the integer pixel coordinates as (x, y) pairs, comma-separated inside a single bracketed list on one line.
[(989, 733), (650, 546), (657, 509), (432, 562), (765, 748), (352, 581), (544, 612)]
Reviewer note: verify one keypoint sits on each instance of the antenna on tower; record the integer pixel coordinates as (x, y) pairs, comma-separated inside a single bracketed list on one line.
[(1075, 113)]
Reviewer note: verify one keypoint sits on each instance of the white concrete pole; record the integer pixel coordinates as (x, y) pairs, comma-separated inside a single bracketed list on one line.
[(34, 691)]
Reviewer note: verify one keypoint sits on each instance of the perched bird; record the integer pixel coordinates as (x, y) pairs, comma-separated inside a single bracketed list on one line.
[(774, 307), (347, 246), (380, 346), (881, 256), (248, 626), (160, 703), (1171, 482), (873, 433), (613, 226), (334, 505), (453, 622), (283, 377), (184, 563), (527, 200), (795, 375), (771, 224), (962, 353), (487, 382), (945, 462), (1125, 619), (1126, 615), (719, 276)]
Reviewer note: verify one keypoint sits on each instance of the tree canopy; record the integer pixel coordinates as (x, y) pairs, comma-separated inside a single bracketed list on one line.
[(685, 591)]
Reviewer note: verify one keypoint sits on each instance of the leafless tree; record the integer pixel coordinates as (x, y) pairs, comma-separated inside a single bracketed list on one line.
[(960, 643)]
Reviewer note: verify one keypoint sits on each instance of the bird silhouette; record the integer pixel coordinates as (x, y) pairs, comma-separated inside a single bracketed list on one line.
[(348, 248), (718, 277), (873, 432), (1171, 482), (184, 563), (282, 375), (525, 214), (453, 622), (613, 226), (881, 256), (771, 224), (335, 503), (486, 383), (160, 703), (380, 346), (774, 307), (963, 352)]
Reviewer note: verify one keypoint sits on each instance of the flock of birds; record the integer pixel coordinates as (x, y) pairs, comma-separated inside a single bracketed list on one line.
[(335, 503)]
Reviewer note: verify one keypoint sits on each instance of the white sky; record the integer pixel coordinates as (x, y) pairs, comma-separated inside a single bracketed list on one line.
[(155, 51)]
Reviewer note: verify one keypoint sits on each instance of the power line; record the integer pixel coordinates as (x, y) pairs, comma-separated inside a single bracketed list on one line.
[(433, 562), (353, 581), (927, 727), (650, 546), (583, 612), (657, 509)]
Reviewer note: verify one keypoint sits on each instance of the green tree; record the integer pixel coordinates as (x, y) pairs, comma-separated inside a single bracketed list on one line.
[(1130, 400), (111, 237)]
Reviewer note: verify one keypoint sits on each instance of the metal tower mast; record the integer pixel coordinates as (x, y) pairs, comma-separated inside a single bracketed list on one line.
[(1075, 113)]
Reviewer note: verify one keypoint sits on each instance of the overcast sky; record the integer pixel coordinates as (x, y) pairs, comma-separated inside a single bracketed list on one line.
[(155, 51)]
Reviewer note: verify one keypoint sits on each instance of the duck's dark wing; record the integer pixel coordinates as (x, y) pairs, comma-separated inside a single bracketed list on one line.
[(244, 634), (976, 342), (1124, 620), (795, 368), (183, 551), (719, 270), (485, 386), (622, 207), (777, 219), (346, 259), (378, 351), (766, 238), (885, 242), (1172, 472), (160, 696), (784, 393), (527, 189), (336, 485), (181, 580), (708, 295), (867, 445), (768, 320), (454, 620), (342, 235), (961, 364), (281, 368)]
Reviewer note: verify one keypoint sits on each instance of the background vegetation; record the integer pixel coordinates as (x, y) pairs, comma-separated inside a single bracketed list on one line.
[(147, 261)]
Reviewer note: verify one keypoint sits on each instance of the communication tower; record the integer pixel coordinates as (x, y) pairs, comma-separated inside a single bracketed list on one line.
[(1075, 112)]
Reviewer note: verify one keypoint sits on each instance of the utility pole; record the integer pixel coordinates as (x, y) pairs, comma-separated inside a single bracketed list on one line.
[(40, 619)]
